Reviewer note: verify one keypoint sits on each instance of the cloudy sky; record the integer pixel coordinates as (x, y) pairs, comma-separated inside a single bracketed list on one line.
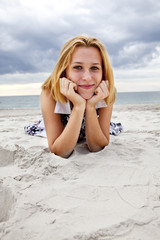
[(33, 32)]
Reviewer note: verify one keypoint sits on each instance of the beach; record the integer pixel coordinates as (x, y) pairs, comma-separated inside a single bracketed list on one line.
[(111, 194)]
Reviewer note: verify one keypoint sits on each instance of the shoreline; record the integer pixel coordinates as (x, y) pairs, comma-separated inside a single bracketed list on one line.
[(114, 193)]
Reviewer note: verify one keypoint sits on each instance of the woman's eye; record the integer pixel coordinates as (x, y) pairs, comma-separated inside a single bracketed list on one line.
[(94, 68), (78, 67)]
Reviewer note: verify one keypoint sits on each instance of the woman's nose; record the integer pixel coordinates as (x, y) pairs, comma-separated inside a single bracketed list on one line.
[(87, 75)]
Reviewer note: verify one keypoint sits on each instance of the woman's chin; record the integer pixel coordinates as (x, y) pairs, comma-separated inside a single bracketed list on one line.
[(86, 96)]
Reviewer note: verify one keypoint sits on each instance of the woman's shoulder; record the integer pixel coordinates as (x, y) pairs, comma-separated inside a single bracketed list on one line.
[(45, 93), (47, 100)]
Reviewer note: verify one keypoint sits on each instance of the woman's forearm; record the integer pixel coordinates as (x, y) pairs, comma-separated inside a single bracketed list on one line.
[(65, 143), (94, 135)]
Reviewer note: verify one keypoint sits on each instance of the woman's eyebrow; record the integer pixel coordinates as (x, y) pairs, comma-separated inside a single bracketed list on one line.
[(77, 63), (96, 63)]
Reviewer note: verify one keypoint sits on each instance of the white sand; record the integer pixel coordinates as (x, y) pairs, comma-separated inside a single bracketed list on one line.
[(112, 194)]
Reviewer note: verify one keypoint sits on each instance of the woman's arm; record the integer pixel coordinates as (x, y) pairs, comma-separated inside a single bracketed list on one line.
[(97, 129), (61, 140)]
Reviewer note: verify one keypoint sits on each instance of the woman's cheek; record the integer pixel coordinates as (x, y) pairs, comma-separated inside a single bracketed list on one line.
[(75, 77)]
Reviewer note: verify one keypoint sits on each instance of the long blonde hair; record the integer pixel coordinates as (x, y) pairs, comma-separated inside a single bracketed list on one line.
[(52, 82)]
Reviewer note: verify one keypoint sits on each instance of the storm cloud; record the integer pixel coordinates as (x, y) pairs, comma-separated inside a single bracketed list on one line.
[(33, 32)]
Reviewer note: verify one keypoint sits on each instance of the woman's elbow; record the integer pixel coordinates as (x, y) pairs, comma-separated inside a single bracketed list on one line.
[(97, 148), (60, 152)]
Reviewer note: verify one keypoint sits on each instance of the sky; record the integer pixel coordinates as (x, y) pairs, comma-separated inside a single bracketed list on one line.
[(33, 32)]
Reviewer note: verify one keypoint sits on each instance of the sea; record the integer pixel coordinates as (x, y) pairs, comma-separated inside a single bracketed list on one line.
[(33, 101)]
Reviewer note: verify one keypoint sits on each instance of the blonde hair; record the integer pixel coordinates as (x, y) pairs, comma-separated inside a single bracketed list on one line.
[(52, 82)]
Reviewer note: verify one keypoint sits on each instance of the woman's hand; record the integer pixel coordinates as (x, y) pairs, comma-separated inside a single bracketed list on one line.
[(101, 92), (68, 89)]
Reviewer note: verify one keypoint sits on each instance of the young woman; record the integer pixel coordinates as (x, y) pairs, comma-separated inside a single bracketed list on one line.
[(77, 98)]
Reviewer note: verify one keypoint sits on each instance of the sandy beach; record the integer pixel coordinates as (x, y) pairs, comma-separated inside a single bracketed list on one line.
[(111, 194)]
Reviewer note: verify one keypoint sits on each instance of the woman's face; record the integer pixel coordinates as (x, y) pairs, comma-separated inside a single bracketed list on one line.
[(85, 69)]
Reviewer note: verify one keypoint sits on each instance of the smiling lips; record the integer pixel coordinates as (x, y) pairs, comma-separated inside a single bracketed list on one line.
[(86, 86)]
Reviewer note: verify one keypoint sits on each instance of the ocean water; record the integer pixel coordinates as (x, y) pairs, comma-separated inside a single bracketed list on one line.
[(33, 101), (20, 102)]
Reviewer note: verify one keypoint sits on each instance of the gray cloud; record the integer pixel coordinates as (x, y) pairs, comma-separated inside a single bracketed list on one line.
[(32, 35)]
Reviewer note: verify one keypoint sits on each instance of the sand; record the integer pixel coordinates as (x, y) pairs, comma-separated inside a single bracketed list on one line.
[(111, 194)]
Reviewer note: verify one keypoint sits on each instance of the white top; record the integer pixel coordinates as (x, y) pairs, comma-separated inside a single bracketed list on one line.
[(65, 108)]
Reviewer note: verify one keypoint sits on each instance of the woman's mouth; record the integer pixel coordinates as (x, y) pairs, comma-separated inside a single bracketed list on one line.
[(86, 86)]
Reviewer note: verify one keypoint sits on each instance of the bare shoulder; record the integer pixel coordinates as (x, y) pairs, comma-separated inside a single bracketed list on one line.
[(47, 101), (45, 95), (52, 121), (105, 114), (105, 111), (105, 118)]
